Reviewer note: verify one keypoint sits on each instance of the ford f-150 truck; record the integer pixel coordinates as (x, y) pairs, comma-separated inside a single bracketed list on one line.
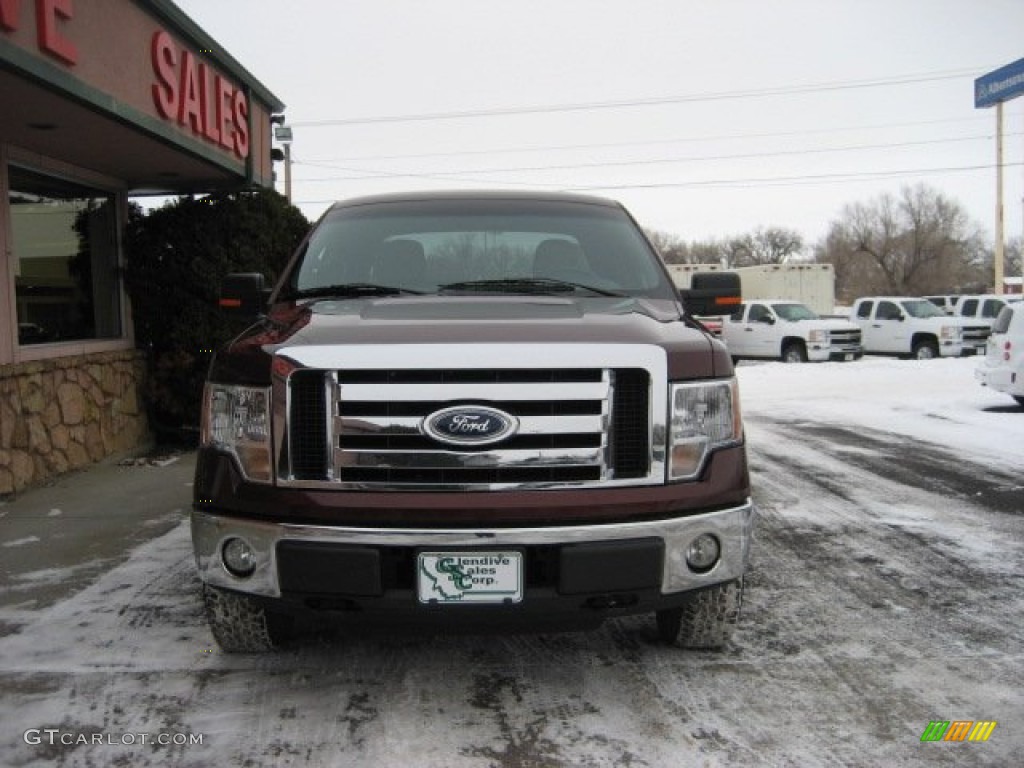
[(788, 331), (472, 409)]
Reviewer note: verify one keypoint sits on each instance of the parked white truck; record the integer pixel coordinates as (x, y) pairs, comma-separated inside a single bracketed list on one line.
[(789, 331), (982, 310), (914, 327)]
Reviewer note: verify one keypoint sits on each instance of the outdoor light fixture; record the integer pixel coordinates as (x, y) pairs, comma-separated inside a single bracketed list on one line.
[(283, 134)]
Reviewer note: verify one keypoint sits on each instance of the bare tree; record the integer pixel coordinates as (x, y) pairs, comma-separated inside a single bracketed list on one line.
[(921, 242), (772, 245), (1013, 257), (706, 252), (672, 248), (982, 277)]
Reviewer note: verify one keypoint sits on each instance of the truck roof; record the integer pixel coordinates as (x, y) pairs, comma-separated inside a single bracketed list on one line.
[(476, 194)]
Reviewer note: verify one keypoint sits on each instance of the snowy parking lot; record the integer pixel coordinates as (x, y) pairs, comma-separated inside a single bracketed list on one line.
[(885, 593)]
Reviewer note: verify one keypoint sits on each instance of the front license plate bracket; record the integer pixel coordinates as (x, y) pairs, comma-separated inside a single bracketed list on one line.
[(469, 577)]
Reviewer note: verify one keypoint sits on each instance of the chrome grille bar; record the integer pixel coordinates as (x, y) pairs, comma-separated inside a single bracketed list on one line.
[(564, 397)]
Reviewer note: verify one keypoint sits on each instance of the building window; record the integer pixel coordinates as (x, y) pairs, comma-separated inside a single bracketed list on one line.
[(64, 238)]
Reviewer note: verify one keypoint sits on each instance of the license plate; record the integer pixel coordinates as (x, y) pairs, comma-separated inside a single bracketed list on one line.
[(469, 577), (848, 357)]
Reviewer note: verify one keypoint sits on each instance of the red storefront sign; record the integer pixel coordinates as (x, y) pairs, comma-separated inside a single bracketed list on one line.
[(197, 98), (49, 14)]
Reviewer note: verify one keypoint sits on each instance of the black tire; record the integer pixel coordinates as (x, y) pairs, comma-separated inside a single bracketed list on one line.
[(240, 624), (794, 352), (925, 349), (1019, 399), (707, 621)]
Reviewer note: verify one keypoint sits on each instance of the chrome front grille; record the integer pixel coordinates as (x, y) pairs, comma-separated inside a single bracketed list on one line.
[(362, 427), (976, 335), (846, 341)]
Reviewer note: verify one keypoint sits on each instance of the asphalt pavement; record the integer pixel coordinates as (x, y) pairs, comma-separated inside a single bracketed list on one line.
[(56, 539)]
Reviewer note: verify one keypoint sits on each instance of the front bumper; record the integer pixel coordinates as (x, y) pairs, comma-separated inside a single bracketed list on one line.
[(948, 348), (1001, 379), (358, 551), (823, 353)]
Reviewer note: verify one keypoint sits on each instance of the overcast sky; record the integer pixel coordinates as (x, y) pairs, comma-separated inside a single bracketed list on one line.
[(707, 118)]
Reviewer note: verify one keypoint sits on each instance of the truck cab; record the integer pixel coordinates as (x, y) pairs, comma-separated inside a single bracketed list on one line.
[(472, 409), (788, 331)]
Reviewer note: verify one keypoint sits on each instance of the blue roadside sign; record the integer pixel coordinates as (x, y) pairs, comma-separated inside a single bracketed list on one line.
[(1002, 84)]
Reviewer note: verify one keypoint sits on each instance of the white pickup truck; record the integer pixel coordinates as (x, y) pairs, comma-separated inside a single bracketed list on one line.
[(788, 331), (981, 313), (898, 325)]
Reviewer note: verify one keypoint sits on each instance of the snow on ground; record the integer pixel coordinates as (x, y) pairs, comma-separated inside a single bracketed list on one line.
[(935, 401), (881, 598)]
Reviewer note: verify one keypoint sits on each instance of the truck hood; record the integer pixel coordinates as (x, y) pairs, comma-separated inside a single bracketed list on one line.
[(471, 319)]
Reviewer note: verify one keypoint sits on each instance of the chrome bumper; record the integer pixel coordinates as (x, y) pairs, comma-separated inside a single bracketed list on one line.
[(733, 528)]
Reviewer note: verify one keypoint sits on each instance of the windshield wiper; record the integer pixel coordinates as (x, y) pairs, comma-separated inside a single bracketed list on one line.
[(348, 290), (538, 285)]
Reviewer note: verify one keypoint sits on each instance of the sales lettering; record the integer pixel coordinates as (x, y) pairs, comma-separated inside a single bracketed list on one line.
[(193, 95)]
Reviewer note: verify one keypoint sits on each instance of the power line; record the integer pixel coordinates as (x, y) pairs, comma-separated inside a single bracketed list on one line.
[(619, 144), (372, 173), (647, 102), (772, 181), (763, 181)]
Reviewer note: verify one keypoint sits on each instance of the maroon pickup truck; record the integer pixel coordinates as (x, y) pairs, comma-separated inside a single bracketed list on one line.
[(473, 409)]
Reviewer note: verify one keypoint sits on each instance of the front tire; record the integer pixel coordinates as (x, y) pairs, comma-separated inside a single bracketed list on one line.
[(705, 622), (794, 352), (925, 350), (241, 624)]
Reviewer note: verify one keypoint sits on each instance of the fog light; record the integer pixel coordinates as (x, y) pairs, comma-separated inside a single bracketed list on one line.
[(702, 554), (239, 558)]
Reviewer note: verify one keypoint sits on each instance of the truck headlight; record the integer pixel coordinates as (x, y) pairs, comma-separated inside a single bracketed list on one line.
[(237, 420), (818, 336), (951, 332), (704, 416)]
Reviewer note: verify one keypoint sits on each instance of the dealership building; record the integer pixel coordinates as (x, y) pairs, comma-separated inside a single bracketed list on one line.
[(100, 100)]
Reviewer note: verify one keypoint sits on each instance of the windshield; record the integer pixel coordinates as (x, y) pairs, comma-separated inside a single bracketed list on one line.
[(477, 246), (922, 308), (794, 312)]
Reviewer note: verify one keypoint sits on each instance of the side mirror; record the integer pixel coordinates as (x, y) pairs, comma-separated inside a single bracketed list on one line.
[(767, 320), (712, 293), (242, 295)]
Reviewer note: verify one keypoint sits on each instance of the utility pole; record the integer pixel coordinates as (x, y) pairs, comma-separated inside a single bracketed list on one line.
[(288, 171), (1000, 233)]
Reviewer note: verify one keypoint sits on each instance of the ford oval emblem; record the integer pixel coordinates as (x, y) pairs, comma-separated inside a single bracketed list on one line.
[(470, 425)]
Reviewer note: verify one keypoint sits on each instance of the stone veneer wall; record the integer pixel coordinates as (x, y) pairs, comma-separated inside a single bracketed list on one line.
[(66, 413)]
